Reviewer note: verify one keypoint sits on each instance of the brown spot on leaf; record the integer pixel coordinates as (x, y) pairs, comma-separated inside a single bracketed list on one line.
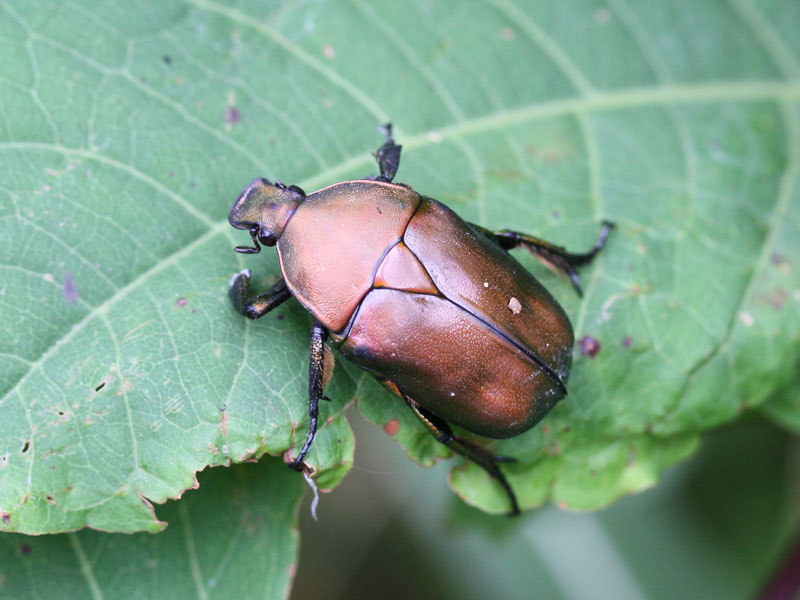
[(589, 346), (167, 59), (777, 298), (25, 549), (224, 425), (6, 518), (392, 427), (627, 341)]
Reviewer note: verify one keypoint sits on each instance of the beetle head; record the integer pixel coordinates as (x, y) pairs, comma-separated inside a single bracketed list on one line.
[(264, 208)]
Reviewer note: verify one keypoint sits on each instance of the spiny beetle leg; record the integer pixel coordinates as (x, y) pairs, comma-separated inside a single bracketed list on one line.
[(555, 256), (315, 383), (388, 156), (469, 450), (252, 305)]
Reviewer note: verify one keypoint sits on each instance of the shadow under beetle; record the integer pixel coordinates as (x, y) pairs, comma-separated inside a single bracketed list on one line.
[(432, 306)]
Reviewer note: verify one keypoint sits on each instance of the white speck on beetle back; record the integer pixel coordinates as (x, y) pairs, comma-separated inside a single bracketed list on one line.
[(514, 306)]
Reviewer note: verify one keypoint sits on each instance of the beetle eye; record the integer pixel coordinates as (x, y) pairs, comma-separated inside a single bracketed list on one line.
[(266, 238)]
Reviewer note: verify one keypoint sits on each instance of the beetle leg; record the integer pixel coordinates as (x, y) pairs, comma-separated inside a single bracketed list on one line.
[(469, 450), (553, 256), (255, 306), (315, 383), (388, 156)]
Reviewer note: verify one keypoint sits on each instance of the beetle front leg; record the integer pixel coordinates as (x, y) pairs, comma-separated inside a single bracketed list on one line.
[(550, 254), (469, 450), (252, 305), (315, 383), (388, 156)]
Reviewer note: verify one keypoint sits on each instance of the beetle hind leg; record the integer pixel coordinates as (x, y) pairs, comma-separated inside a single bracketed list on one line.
[(469, 450), (316, 382), (553, 256), (388, 156)]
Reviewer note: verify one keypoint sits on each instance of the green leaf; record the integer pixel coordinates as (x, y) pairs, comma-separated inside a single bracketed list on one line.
[(234, 538), (128, 131)]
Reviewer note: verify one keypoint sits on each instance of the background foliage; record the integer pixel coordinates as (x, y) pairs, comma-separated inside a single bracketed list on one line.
[(128, 129)]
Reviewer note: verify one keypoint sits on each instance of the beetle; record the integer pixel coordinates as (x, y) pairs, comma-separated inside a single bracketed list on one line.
[(433, 307)]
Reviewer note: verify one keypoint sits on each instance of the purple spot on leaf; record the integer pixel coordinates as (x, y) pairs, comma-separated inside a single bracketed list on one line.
[(232, 115), (68, 290), (590, 346), (626, 343)]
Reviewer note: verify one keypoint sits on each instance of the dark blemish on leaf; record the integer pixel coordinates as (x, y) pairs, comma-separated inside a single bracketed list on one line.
[(100, 387), (50, 499), (272, 142), (171, 174), (60, 413), (232, 115), (194, 311), (627, 341), (181, 302), (192, 184), (556, 214), (281, 317), (68, 290), (6, 518), (776, 259), (26, 446), (590, 346), (143, 79), (25, 549), (167, 59)]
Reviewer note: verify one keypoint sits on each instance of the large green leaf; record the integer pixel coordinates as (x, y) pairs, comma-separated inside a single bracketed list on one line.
[(235, 538), (127, 131)]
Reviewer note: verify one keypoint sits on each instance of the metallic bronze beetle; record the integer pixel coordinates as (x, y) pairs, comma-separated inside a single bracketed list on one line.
[(434, 307)]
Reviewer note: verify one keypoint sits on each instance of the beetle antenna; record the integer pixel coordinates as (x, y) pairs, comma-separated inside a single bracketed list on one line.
[(256, 246)]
